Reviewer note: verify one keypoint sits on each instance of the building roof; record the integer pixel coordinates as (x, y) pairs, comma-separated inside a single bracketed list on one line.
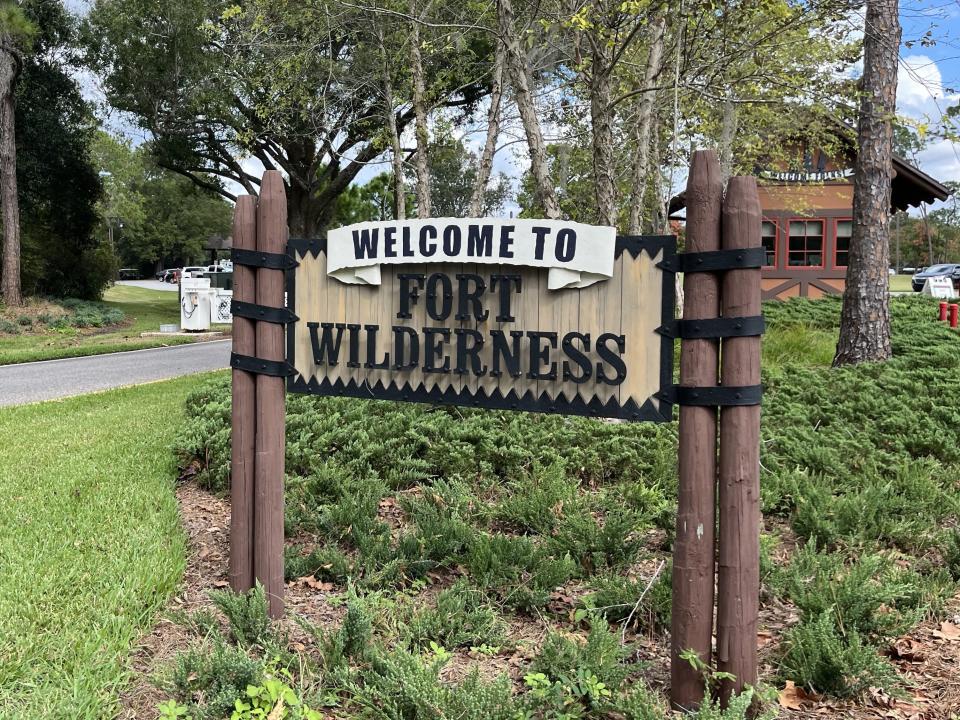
[(911, 186)]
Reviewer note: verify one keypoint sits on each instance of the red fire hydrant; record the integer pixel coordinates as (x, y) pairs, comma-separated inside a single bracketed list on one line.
[(943, 311), (954, 313)]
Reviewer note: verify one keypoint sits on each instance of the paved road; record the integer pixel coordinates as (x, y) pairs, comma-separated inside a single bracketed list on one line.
[(50, 379)]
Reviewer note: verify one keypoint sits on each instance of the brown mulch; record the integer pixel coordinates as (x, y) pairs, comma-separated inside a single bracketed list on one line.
[(928, 658)]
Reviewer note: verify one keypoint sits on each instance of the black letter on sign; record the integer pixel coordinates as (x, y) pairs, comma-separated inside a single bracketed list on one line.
[(464, 296), (398, 354), (566, 245), (425, 232), (407, 293), (372, 350), (480, 241), (506, 241), (407, 250), (326, 347), (541, 355), (511, 357), (365, 243), (541, 233), (433, 349), (390, 242), (505, 282), (616, 362), (446, 301), (451, 240), (354, 340), (476, 365), (577, 356)]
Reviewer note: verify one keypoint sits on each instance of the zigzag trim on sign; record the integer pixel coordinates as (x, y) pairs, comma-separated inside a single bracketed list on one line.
[(481, 398)]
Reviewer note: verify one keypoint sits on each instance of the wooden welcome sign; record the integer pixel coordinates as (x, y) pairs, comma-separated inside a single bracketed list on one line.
[(548, 316), (545, 316)]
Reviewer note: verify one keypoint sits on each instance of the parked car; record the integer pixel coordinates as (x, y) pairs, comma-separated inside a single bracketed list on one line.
[(191, 270), (950, 270), (170, 276), (163, 273), (128, 274)]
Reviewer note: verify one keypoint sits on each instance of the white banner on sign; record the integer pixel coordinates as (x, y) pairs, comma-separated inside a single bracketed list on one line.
[(575, 254), (939, 287)]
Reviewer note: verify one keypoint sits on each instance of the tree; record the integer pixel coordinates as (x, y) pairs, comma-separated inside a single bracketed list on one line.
[(298, 86), (166, 219), (865, 318), (58, 187), (453, 176), (16, 32)]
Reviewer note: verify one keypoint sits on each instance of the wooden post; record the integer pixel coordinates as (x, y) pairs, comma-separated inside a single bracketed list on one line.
[(268, 517), (243, 415), (738, 585), (693, 554)]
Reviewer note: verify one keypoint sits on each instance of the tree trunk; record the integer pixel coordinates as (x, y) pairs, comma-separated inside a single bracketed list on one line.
[(399, 192), (603, 146), (9, 207), (516, 66), (728, 133), (420, 111), (641, 162), (865, 319), (493, 131)]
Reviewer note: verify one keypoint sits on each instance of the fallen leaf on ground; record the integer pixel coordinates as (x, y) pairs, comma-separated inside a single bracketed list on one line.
[(947, 631), (907, 649), (793, 697)]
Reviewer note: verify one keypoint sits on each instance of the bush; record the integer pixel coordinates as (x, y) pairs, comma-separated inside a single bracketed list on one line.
[(461, 618), (8, 327), (246, 613), (208, 679), (818, 656)]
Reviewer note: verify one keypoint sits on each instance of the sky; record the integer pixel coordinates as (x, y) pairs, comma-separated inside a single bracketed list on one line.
[(928, 84), (929, 76)]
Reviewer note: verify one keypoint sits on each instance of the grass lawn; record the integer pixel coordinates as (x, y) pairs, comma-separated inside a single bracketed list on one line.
[(900, 283), (144, 309), (89, 542)]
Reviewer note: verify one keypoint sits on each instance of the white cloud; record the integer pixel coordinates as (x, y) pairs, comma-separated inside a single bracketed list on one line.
[(922, 96)]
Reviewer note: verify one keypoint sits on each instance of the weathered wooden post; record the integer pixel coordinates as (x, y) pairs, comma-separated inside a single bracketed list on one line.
[(271, 398), (693, 555), (243, 410), (738, 584)]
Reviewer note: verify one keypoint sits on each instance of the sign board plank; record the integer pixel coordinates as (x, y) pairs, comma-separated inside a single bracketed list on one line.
[(593, 351)]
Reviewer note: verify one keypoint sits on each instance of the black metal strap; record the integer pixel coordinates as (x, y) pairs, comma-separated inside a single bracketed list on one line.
[(727, 327), (716, 260), (274, 368), (719, 396), (257, 259), (280, 316)]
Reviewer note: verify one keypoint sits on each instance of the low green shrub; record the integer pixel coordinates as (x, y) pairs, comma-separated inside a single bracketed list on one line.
[(618, 599), (871, 596), (8, 327), (209, 678), (599, 654), (246, 613), (462, 617), (819, 657)]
